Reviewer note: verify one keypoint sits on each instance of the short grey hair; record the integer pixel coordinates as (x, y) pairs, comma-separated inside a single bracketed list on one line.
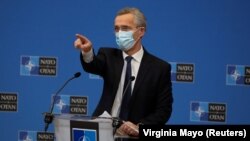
[(140, 19)]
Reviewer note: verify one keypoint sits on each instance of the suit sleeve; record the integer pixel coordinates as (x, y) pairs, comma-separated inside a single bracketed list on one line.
[(96, 66)]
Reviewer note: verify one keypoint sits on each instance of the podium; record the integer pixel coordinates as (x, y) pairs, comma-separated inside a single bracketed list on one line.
[(79, 128)]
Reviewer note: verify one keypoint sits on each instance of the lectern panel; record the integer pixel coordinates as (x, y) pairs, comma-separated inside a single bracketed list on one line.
[(81, 130)]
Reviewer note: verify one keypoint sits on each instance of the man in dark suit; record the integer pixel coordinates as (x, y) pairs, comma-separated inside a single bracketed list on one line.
[(150, 101)]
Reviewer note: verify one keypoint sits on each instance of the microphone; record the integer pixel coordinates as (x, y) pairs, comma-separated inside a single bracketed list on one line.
[(48, 118), (117, 122), (132, 78)]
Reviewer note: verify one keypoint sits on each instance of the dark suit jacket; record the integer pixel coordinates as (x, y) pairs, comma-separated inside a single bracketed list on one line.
[(151, 101)]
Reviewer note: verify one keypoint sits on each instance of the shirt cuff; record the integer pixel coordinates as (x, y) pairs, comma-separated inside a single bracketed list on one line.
[(88, 56)]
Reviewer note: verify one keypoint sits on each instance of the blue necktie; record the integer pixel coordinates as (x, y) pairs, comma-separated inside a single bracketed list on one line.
[(127, 94)]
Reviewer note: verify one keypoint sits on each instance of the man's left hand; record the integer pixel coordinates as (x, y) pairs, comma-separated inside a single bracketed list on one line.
[(129, 128)]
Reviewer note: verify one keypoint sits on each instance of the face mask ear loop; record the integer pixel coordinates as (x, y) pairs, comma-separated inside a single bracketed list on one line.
[(140, 28), (140, 37)]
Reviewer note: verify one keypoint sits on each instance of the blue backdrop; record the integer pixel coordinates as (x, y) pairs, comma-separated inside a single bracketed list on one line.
[(210, 35)]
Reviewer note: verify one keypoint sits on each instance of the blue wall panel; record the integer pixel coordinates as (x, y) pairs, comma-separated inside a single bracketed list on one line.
[(209, 34)]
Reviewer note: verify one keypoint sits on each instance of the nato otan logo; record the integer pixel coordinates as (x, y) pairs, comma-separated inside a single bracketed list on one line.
[(84, 135), (182, 72), (66, 104), (238, 75), (27, 136), (206, 111), (8, 102), (38, 66), (35, 136)]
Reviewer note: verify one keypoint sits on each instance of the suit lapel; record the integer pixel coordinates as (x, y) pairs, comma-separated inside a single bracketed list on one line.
[(117, 60), (143, 70), (118, 71)]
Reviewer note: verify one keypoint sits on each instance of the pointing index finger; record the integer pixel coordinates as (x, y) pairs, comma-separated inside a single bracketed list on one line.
[(81, 37)]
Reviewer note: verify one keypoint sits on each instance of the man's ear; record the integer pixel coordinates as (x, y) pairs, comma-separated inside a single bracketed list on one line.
[(142, 31)]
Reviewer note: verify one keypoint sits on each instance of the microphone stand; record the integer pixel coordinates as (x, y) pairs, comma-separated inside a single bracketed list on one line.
[(48, 116)]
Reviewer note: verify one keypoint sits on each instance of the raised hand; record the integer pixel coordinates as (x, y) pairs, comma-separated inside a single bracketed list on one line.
[(82, 43)]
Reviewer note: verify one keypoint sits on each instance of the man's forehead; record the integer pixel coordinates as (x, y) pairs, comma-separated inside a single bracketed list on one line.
[(124, 19)]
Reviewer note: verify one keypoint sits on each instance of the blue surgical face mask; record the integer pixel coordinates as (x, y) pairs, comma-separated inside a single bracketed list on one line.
[(125, 40)]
